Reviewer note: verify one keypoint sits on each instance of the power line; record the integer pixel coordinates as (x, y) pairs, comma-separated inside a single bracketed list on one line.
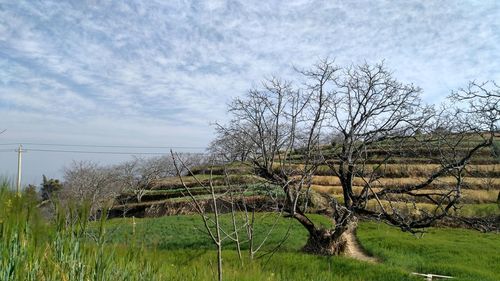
[(89, 152), (105, 146), (96, 152)]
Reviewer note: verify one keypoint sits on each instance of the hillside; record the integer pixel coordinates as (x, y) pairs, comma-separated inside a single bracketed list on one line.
[(481, 189)]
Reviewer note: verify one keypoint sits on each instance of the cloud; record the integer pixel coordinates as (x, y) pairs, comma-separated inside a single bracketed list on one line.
[(164, 70)]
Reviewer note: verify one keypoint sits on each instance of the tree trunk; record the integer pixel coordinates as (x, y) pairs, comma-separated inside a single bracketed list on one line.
[(329, 242), (323, 242)]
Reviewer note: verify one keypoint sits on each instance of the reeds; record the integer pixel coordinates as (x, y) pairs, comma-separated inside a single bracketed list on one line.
[(66, 249)]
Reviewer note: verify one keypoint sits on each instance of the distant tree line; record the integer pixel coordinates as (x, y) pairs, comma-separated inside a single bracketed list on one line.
[(87, 182)]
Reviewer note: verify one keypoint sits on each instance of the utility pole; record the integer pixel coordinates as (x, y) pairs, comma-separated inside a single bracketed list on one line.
[(19, 169)]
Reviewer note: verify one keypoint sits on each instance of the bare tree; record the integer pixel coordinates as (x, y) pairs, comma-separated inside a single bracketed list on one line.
[(481, 104), (234, 200), (230, 147), (138, 174), (89, 182), (211, 221), (363, 109), (279, 119), (240, 198)]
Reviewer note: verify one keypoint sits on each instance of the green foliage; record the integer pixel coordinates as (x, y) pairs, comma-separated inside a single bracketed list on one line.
[(49, 187), (30, 190)]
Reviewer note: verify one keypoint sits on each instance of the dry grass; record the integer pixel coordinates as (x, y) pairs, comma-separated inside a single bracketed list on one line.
[(174, 182), (480, 196), (336, 189), (422, 170), (469, 196), (442, 182), (462, 209), (419, 170)]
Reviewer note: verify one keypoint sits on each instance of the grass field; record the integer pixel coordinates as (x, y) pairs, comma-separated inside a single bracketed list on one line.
[(465, 254), (174, 248)]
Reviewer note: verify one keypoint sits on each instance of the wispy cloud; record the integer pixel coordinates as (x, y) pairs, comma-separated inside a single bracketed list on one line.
[(165, 69)]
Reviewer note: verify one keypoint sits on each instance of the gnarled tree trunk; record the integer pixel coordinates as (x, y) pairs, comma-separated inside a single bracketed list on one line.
[(323, 242), (329, 242)]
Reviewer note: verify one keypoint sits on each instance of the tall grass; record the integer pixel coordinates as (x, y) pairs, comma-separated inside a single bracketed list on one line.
[(32, 249)]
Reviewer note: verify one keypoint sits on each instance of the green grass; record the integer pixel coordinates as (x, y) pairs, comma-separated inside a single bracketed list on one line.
[(175, 248), (284, 266), (187, 232), (466, 254), (34, 249), (479, 210)]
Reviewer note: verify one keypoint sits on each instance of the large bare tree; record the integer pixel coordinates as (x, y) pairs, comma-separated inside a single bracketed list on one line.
[(368, 119)]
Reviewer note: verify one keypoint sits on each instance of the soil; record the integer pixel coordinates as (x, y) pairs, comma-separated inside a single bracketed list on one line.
[(356, 251)]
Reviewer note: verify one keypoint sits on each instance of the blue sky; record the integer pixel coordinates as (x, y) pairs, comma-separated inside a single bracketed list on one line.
[(159, 72)]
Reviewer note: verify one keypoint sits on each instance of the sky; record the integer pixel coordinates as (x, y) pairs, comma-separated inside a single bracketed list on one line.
[(159, 73)]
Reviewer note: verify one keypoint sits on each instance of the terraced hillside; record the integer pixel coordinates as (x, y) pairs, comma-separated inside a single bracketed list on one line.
[(408, 166)]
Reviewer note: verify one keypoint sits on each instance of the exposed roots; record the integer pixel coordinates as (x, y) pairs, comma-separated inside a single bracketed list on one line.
[(324, 245), (322, 242)]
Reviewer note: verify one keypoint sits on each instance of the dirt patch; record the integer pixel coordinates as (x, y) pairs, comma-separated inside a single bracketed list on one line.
[(355, 250)]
